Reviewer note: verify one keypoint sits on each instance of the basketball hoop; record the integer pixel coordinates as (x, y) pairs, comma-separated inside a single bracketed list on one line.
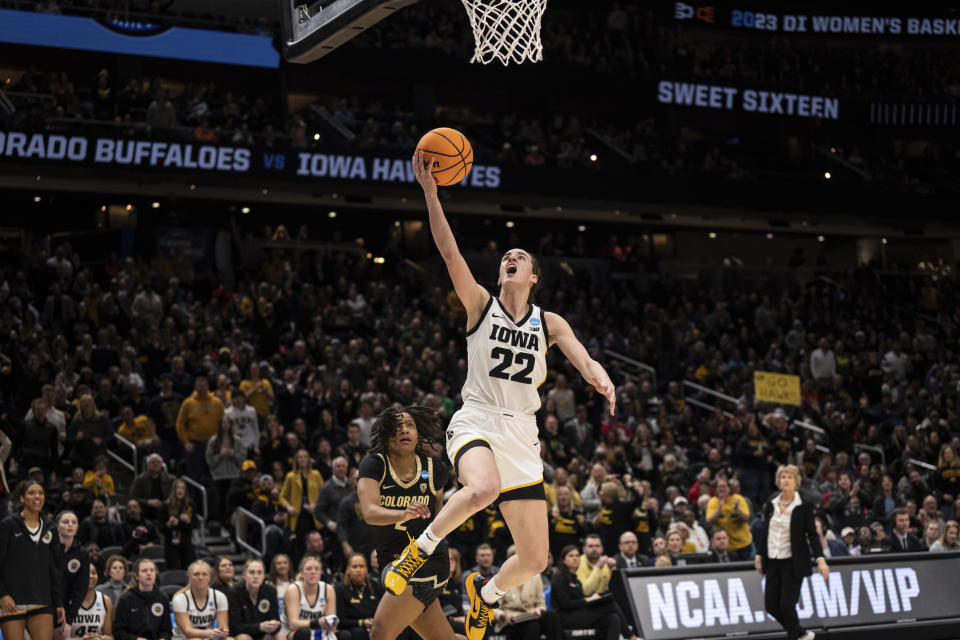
[(506, 30)]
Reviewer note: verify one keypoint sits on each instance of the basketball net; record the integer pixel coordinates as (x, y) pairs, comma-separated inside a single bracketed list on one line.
[(506, 30)]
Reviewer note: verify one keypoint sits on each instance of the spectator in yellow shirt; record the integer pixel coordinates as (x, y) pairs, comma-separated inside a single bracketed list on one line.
[(561, 479), (137, 429), (729, 511), (595, 568), (198, 421), (259, 392), (98, 481)]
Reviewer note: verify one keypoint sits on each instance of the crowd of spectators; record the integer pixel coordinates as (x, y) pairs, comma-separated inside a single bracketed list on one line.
[(238, 382)]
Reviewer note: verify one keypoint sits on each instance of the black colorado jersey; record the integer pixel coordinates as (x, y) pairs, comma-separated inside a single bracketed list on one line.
[(432, 474)]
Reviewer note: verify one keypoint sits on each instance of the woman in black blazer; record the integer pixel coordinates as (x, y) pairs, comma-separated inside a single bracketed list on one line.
[(788, 534)]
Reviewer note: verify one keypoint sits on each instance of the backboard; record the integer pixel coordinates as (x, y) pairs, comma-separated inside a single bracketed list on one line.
[(311, 30)]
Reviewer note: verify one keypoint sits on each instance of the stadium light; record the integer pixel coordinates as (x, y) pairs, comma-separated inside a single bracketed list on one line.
[(155, 204), (581, 228), (193, 187), (332, 214), (510, 224), (712, 235), (316, 136), (37, 198), (883, 240), (820, 238), (826, 174), (593, 157), (245, 210), (264, 191), (769, 236)]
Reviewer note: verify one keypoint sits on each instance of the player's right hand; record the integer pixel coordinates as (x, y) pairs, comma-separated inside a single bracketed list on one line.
[(423, 174), (415, 510), (7, 605)]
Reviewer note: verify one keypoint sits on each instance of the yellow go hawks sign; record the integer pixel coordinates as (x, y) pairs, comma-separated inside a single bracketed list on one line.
[(776, 387)]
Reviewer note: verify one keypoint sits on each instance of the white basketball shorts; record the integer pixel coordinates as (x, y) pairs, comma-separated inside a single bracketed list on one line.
[(512, 437)]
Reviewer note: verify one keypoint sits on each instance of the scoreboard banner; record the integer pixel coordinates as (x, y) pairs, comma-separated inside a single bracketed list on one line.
[(212, 158), (137, 39), (805, 22), (778, 103), (702, 601)]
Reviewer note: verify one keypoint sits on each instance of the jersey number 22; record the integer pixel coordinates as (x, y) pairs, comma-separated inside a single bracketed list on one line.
[(508, 357)]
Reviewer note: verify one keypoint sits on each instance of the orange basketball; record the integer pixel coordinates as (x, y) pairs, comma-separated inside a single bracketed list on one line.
[(452, 153)]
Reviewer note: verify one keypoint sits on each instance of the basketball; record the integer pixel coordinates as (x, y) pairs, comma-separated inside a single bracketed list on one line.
[(452, 152)]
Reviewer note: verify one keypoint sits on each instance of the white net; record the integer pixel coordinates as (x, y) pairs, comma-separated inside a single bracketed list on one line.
[(506, 30)]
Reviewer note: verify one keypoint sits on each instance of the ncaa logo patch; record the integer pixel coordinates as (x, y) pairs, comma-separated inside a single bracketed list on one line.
[(264, 605), (534, 322), (47, 537), (424, 474), (157, 609), (73, 565)]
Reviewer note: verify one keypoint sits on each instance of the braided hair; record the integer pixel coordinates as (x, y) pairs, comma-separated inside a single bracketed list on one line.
[(385, 427)]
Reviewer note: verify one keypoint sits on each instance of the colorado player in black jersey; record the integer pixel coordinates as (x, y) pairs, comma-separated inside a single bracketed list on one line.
[(400, 490)]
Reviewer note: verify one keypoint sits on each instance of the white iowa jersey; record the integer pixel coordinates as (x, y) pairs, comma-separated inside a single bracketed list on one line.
[(506, 360), (89, 620), (201, 615), (308, 610)]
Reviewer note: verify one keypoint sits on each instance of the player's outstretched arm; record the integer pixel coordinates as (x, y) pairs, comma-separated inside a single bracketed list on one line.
[(590, 369), (472, 295), (368, 492)]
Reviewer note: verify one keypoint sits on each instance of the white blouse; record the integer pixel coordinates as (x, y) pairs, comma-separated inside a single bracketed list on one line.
[(778, 537)]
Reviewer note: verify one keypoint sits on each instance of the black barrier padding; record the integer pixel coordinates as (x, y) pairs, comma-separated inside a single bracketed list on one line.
[(909, 591)]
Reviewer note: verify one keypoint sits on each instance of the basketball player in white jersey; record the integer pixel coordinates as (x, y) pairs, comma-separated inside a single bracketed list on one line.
[(93, 620), (309, 604), (493, 440), (200, 611)]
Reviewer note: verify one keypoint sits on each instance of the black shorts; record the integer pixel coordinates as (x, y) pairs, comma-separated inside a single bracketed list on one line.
[(23, 615)]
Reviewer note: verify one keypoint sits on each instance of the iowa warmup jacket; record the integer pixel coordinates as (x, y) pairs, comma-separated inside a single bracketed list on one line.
[(142, 615), (31, 572), (76, 577), (246, 616)]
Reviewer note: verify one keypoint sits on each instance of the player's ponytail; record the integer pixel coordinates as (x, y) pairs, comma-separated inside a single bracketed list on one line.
[(537, 271)]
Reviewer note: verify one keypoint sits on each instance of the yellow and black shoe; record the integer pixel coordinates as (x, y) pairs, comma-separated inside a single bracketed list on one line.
[(480, 615), (398, 573)]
